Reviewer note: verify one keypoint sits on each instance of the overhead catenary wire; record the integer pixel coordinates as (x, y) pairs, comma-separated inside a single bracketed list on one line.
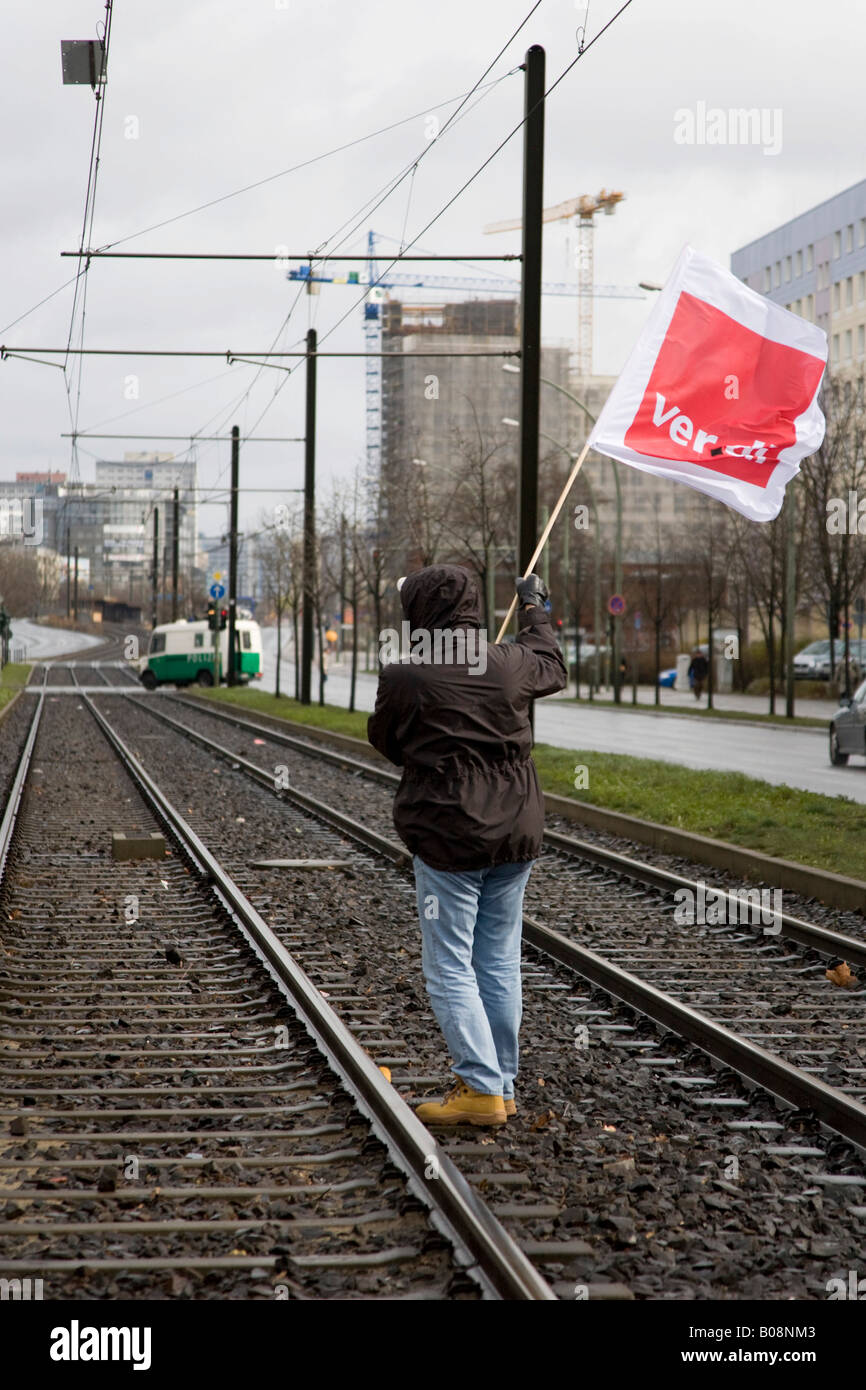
[(456, 114), (250, 352), (393, 184), (493, 154), (453, 117), (81, 281), (283, 173), (195, 439), (413, 168), (585, 48), (149, 405), (372, 205), (53, 295), (83, 269)]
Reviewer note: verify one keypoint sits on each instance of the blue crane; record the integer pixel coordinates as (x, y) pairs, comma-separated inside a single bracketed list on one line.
[(377, 284)]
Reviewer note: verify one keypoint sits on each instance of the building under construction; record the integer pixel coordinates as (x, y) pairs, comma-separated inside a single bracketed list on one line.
[(437, 410)]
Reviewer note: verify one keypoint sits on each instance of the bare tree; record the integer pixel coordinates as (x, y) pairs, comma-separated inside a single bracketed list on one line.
[(478, 508), (20, 584), (281, 560), (708, 556), (760, 556), (660, 583), (833, 479)]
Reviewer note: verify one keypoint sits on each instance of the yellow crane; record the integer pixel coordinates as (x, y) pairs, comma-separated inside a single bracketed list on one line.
[(583, 210)]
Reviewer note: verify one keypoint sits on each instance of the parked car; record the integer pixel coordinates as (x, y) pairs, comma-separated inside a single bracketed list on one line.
[(848, 728), (808, 663), (857, 658)]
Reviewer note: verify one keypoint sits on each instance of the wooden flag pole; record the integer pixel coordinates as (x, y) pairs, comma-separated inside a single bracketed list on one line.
[(546, 532)]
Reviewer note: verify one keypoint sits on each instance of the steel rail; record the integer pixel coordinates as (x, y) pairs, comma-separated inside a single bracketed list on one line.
[(821, 939), (490, 1254), (782, 1079), (391, 849), (10, 815), (829, 943)]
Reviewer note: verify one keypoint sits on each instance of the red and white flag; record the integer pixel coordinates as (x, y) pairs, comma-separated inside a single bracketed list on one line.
[(720, 391)]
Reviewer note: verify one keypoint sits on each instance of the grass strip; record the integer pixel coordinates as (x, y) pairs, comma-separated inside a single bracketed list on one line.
[(828, 832)]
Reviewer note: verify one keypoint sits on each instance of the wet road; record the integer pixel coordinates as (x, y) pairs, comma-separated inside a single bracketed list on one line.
[(33, 642), (794, 757)]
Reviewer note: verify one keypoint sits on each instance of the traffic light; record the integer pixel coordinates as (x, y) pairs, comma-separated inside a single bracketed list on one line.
[(212, 617), (224, 617)]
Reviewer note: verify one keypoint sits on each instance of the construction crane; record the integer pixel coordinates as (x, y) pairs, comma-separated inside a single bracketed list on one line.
[(583, 210), (377, 286)]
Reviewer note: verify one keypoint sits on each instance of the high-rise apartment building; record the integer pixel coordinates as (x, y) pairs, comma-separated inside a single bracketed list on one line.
[(815, 265), (136, 493), (111, 521)]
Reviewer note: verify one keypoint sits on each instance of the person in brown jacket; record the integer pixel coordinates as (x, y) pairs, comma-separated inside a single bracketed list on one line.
[(470, 809)]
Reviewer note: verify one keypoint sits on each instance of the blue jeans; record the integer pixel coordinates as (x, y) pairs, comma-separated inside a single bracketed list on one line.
[(470, 933)]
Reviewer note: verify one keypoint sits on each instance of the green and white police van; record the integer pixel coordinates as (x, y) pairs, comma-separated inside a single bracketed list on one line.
[(183, 653)]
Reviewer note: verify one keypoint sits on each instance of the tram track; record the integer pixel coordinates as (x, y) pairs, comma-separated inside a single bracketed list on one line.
[(363, 938), (589, 900), (123, 1060)]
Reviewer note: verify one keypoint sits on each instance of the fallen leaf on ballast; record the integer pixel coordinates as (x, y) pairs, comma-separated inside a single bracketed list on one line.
[(841, 975), (543, 1120)]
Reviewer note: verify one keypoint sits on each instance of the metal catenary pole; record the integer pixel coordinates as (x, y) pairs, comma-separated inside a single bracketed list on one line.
[(530, 305), (309, 519), (174, 553), (233, 556), (155, 569)]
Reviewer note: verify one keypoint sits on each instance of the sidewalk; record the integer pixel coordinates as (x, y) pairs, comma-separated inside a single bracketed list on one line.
[(671, 701), (729, 701)]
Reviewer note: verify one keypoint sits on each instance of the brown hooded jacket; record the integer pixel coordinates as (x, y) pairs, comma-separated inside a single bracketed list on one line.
[(469, 796)]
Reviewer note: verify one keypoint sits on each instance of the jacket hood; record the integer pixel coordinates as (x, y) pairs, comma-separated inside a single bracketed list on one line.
[(441, 596)]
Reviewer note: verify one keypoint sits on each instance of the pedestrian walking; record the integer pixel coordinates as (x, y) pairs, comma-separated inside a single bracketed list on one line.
[(698, 672)]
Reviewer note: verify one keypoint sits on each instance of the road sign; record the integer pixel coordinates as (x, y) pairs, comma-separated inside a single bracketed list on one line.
[(616, 605), (217, 590)]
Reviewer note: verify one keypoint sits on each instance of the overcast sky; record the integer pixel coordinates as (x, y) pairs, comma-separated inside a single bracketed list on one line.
[(227, 92)]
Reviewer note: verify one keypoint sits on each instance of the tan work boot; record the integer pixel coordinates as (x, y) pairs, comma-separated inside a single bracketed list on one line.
[(463, 1106), (510, 1107)]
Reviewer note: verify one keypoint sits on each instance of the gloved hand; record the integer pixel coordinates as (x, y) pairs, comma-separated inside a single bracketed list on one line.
[(532, 590)]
